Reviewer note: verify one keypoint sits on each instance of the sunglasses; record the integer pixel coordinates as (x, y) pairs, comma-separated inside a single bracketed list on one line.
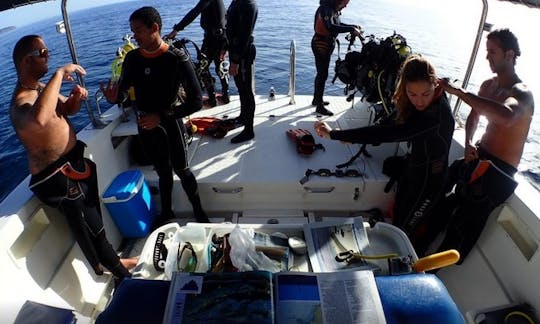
[(41, 52), (186, 259)]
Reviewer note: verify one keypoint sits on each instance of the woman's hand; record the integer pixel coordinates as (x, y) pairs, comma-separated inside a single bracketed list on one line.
[(322, 129)]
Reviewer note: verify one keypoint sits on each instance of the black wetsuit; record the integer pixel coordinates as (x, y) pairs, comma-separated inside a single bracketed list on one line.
[(481, 186), (241, 18), (327, 26), (70, 184), (214, 42), (156, 80), (422, 183)]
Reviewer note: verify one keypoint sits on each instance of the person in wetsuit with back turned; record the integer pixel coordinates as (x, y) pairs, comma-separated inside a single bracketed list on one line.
[(156, 71), (327, 26), (425, 120), (241, 18), (61, 177), (484, 177), (214, 43)]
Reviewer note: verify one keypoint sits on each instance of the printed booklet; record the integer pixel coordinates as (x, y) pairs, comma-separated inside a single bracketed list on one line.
[(283, 297)]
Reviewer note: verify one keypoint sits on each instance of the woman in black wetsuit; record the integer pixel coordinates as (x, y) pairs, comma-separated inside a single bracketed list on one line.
[(327, 26), (425, 120)]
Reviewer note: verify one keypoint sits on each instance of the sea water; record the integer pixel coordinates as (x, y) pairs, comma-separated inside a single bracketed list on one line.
[(440, 30)]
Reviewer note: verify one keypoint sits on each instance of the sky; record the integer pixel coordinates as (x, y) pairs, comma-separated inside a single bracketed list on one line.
[(26, 15)]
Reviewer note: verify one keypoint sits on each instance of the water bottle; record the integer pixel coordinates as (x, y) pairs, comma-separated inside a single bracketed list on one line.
[(272, 94)]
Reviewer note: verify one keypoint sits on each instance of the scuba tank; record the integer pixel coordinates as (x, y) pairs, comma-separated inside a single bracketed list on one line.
[(116, 66)]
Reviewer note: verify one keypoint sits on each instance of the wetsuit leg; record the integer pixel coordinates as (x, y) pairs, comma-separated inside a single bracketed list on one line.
[(322, 48), (78, 201), (155, 144), (475, 202), (212, 47), (243, 81), (419, 191), (177, 149)]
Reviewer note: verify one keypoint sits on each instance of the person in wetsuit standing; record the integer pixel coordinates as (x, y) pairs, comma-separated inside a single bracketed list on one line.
[(61, 176), (327, 26), (241, 18), (214, 44), (484, 177), (156, 71), (424, 120)]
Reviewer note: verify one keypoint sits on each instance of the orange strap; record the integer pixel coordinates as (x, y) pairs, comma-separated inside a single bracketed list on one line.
[(73, 174), (481, 168)]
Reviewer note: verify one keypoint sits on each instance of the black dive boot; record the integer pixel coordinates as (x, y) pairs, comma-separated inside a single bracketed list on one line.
[(321, 110), (245, 135)]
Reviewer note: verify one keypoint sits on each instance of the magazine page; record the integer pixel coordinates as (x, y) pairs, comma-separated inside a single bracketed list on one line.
[(330, 245), (339, 297), (233, 297)]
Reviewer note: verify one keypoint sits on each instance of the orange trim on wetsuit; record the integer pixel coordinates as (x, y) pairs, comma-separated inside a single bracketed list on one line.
[(320, 26), (164, 47), (73, 174)]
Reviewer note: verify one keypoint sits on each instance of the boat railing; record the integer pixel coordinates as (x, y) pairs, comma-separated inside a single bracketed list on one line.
[(482, 26), (66, 28), (292, 72)]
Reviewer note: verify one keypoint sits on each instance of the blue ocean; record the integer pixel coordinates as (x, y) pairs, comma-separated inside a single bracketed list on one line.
[(430, 26)]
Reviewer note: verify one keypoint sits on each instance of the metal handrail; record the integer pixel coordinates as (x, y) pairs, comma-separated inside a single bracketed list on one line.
[(482, 26), (97, 123), (292, 72)]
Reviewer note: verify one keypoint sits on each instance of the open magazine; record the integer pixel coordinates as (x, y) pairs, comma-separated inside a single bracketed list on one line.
[(283, 297), (331, 245)]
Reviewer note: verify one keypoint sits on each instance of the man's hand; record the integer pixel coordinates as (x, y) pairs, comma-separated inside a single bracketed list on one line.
[(171, 35), (110, 92), (148, 121), (450, 87), (233, 69), (78, 93), (68, 70), (471, 153)]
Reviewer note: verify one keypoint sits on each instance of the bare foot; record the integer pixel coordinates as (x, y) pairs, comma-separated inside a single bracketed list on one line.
[(129, 263)]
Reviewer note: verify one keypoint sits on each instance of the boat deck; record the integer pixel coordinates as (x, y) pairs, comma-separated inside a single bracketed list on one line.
[(262, 176)]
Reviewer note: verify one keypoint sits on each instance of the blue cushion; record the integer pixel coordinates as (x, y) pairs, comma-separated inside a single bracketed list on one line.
[(417, 298), (136, 301)]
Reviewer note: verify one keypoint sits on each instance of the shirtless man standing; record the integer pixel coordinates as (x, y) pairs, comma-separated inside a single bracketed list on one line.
[(61, 176), (489, 165)]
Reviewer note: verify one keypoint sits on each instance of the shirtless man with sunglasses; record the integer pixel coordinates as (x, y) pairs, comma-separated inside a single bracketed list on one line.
[(61, 176)]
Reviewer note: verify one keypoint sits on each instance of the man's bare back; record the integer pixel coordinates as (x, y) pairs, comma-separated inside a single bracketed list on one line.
[(505, 137)]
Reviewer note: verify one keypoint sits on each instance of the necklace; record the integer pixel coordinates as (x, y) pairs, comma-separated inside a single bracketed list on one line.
[(39, 88)]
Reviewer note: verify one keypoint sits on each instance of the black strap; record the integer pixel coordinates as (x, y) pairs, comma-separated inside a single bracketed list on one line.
[(160, 253), (354, 157)]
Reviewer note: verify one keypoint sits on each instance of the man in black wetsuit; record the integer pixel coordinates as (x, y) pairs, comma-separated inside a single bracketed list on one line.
[(61, 176), (214, 43), (241, 18), (327, 26), (156, 71)]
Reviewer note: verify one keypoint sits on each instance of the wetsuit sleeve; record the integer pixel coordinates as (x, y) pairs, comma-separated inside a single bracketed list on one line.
[(386, 133), (332, 22), (191, 15), (192, 88), (241, 39)]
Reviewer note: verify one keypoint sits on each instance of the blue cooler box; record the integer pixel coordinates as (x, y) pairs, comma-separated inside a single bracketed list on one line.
[(129, 202)]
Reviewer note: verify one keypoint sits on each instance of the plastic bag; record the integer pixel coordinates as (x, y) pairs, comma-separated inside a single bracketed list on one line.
[(243, 254), (193, 235)]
